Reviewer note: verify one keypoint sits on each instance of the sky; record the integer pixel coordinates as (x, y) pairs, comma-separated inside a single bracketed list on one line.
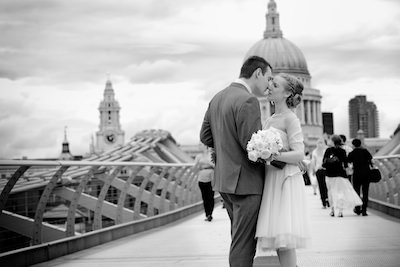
[(166, 59)]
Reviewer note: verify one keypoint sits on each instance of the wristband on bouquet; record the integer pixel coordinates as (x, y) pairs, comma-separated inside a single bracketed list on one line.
[(278, 164)]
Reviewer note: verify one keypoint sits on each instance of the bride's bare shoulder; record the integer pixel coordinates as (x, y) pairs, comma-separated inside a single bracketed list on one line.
[(291, 116)]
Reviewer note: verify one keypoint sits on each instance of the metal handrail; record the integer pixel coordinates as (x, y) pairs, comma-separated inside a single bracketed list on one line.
[(387, 190), (87, 163)]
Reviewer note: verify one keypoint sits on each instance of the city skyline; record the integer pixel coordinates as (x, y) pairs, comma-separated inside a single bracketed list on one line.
[(167, 61), (363, 115)]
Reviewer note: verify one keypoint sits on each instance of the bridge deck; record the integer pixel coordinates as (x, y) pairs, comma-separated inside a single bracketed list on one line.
[(349, 241)]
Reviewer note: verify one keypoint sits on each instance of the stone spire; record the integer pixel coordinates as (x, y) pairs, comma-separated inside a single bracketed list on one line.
[(273, 29), (65, 153), (109, 91), (65, 136), (91, 147)]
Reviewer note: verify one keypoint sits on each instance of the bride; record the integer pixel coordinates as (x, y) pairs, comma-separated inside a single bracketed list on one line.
[(283, 221)]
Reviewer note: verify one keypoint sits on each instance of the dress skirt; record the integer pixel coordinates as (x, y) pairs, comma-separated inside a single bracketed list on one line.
[(283, 220), (341, 193)]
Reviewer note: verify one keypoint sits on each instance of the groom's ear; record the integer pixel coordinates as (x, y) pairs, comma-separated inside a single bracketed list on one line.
[(257, 73)]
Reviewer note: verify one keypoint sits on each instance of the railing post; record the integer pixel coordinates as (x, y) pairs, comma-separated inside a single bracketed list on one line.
[(174, 197), (123, 193), (97, 223), (150, 208), (138, 199), (41, 208), (166, 203), (10, 184), (75, 200)]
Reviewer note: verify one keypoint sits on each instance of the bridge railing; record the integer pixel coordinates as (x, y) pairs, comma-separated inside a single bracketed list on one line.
[(385, 193), (44, 201)]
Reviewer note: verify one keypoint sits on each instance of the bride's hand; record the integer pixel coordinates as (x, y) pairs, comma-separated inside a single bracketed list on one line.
[(274, 157), (303, 166)]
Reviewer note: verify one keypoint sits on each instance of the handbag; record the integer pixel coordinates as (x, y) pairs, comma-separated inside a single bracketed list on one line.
[(331, 162), (374, 175)]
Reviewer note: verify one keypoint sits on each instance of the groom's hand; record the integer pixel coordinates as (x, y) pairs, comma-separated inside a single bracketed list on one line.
[(262, 161), (213, 156)]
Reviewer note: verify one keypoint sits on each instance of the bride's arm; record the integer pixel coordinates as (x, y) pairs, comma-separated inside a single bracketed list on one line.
[(296, 144), (292, 157)]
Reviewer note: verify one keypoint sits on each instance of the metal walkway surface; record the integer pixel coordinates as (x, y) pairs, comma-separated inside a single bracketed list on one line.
[(351, 241)]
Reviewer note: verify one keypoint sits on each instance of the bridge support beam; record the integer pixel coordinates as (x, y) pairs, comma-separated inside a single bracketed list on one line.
[(24, 226)]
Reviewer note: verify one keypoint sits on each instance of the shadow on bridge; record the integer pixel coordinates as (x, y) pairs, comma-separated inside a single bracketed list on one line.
[(349, 241)]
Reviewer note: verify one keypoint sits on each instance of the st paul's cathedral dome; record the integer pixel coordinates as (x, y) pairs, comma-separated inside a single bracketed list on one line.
[(285, 56)]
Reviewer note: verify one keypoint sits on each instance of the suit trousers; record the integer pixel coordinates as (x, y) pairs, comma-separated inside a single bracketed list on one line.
[(323, 190), (361, 185), (243, 213), (207, 195)]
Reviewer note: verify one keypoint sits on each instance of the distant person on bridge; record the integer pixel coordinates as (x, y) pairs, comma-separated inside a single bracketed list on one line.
[(205, 178), (318, 171), (361, 159), (340, 191), (233, 115)]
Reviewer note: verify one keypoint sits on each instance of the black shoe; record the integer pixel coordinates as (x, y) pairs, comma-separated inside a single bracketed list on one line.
[(364, 213), (357, 211), (209, 218), (327, 204)]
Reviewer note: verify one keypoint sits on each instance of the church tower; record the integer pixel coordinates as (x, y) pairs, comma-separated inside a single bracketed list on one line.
[(110, 134), (65, 154)]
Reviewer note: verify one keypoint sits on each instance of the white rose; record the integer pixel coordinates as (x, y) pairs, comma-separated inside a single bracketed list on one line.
[(250, 146), (253, 156), (265, 154)]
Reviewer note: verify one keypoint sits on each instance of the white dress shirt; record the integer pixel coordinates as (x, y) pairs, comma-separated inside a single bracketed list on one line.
[(238, 80)]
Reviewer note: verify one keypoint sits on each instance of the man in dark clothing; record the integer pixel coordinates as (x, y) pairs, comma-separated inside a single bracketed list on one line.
[(361, 159)]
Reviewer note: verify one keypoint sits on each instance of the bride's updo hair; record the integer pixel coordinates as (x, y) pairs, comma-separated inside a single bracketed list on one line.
[(295, 87)]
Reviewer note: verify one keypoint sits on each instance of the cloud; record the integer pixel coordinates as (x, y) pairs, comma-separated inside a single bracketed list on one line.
[(166, 61), (158, 71)]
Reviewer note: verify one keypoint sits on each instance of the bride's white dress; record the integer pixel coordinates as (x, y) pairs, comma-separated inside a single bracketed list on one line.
[(283, 218)]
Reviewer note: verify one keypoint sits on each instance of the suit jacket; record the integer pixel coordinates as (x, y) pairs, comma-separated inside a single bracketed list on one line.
[(233, 115), (361, 159)]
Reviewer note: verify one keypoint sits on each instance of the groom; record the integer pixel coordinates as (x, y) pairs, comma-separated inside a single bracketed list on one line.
[(233, 115)]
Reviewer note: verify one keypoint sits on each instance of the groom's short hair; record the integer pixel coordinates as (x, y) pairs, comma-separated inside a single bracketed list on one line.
[(253, 63), (356, 142)]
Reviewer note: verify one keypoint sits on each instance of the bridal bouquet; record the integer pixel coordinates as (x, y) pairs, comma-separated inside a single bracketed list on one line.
[(263, 144)]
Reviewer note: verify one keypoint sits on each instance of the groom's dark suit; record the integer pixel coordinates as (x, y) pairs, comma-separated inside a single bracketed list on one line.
[(232, 117)]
